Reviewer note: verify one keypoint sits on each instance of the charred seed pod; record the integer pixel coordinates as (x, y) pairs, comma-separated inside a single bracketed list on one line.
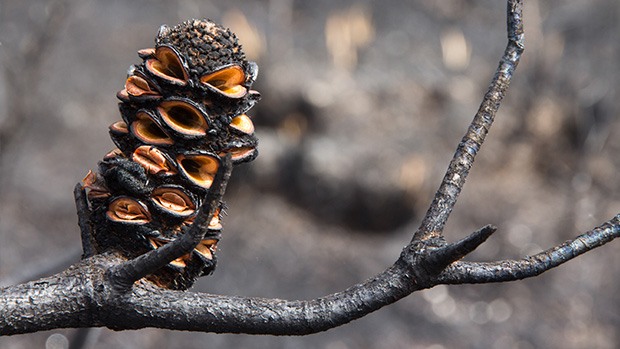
[(182, 108)]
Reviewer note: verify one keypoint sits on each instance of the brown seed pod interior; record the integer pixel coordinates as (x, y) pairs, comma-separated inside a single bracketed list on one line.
[(243, 123), (153, 160), (112, 154), (128, 210), (183, 118), (146, 52), (173, 200), (206, 248), (215, 223), (167, 65), (239, 154), (199, 169), (146, 130), (96, 186), (119, 127), (228, 81), (138, 86)]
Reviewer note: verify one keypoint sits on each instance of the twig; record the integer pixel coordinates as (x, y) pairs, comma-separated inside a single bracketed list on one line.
[(510, 270), (450, 188), (83, 213), (125, 274)]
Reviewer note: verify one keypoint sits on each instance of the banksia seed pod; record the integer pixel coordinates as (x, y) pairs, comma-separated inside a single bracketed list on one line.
[(182, 108)]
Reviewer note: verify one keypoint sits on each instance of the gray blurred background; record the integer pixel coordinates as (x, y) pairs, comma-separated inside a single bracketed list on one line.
[(363, 105)]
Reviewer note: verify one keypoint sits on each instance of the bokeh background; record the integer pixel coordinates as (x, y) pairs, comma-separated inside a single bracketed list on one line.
[(363, 105)]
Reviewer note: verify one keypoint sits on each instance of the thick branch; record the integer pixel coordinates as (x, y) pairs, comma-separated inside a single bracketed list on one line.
[(125, 274), (452, 183), (61, 300), (510, 270), (148, 307), (228, 314)]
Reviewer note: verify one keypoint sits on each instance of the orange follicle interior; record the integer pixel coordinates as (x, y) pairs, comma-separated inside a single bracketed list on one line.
[(96, 188), (153, 160), (173, 200), (119, 127), (200, 169), (146, 130), (206, 248), (183, 118), (167, 65), (138, 86), (243, 123), (227, 81), (238, 154), (128, 210)]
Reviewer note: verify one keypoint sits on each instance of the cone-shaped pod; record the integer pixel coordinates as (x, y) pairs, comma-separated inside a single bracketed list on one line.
[(199, 168), (168, 66), (146, 129), (243, 123), (174, 200), (183, 117), (227, 81), (153, 160), (127, 210)]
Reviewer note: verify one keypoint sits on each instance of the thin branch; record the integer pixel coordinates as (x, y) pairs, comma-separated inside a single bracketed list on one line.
[(450, 188), (510, 270), (83, 213), (125, 274)]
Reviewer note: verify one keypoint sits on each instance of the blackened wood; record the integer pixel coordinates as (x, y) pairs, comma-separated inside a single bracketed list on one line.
[(510, 270), (83, 213), (452, 183)]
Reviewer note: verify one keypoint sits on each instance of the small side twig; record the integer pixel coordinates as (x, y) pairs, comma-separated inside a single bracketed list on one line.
[(445, 255), (125, 274)]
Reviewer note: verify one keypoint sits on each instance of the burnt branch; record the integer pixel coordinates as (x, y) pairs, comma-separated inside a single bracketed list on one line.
[(83, 213), (454, 179), (510, 270), (125, 274)]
